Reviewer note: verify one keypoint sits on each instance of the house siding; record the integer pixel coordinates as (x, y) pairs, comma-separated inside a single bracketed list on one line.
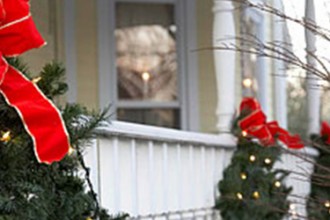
[(206, 71)]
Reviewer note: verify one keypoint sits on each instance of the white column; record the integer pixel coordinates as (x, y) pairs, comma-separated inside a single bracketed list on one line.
[(224, 28), (313, 93), (279, 68)]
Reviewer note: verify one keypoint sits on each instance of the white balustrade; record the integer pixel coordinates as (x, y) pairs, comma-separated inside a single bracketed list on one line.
[(143, 170)]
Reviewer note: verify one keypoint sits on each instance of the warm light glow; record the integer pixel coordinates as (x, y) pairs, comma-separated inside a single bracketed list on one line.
[(327, 204), (145, 76), (37, 79), (294, 214), (277, 184), (256, 195), (252, 158), (71, 150), (247, 83), (239, 196), (292, 206), (244, 133), (6, 136), (89, 218), (268, 161), (243, 176)]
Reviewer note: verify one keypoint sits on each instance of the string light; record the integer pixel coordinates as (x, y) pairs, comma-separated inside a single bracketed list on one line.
[(5, 136), (244, 133), (239, 196), (89, 218), (247, 83), (71, 150), (252, 158), (293, 211), (292, 207), (256, 195), (145, 76), (243, 176), (327, 204), (37, 79), (268, 161), (277, 184)]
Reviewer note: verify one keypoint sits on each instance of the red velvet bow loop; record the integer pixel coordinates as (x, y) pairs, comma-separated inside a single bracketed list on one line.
[(254, 123), (249, 104), (40, 117), (18, 32), (325, 131)]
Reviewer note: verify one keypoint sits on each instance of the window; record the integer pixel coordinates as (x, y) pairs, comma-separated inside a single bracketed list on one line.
[(146, 61), (145, 54)]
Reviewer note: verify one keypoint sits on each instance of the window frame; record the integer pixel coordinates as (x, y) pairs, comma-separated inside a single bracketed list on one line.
[(187, 101)]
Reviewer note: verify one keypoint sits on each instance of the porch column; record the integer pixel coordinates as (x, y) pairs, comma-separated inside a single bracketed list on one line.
[(223, 29), (279, 68), (313, 93)]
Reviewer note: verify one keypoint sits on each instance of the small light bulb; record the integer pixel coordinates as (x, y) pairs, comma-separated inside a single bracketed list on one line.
[(37, 79), (252, 158), (89, 218), (71, 150), (268, 161), (145, 76), (256, 195), (239, 196), (5, 136), (243, 176), (327, 204), (244, 133), (247, 83), (292, 207), (277, 184)]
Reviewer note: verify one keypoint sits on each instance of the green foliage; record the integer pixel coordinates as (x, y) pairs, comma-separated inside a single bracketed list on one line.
[(320, 190), (33, 191), (270, 202)]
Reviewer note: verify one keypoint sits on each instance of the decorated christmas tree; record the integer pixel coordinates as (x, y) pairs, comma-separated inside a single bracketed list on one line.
[(251, 187), (41, 147), (318, 205)]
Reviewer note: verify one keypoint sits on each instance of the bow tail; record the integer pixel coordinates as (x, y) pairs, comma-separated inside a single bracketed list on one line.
[(40, 117)]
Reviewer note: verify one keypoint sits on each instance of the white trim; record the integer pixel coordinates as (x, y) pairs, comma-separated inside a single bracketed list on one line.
[(70, 49), (181, 62), (147, 104), (192, 86), (188, 87), (148, 1), (106, 54), (152, 133)]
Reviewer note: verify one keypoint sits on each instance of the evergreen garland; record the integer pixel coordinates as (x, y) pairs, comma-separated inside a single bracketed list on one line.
[(33, 191), (318, 204), (251, 187)]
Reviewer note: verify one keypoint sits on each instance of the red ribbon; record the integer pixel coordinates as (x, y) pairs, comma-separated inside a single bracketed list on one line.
[(254, 123), (40, 117), (325, 131)]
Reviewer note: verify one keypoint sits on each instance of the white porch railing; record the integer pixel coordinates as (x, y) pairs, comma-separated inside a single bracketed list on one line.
[(144, 170)]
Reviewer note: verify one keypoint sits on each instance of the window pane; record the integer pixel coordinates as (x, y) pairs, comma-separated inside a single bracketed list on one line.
[(146, 52), (158, 117)]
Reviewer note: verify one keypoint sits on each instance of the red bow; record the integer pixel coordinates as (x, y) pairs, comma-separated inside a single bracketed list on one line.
[(40, 117), (254, 123), (325, 131)]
